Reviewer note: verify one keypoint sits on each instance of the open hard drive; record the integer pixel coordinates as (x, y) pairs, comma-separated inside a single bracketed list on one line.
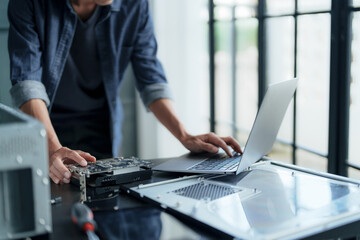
[(109, 172)]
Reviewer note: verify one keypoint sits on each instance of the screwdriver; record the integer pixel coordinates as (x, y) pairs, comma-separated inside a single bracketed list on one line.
[(84, 218)]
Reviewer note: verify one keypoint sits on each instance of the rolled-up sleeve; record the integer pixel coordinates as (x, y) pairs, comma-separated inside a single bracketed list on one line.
[(155, 91), (150, 77), (25, 54), (26, 90)]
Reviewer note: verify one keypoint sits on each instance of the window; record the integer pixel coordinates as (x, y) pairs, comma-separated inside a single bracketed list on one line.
[(354, 119), (236, 64), (182, 34), (266, 41)]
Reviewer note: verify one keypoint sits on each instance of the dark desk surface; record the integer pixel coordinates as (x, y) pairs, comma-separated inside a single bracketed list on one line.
[(139, 220), (134, 219)]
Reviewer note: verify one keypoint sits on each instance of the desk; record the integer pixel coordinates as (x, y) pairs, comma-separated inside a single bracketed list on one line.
[(134, 220), (139, 220)]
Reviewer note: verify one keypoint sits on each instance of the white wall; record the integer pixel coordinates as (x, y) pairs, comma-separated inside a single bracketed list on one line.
[(181, 31)]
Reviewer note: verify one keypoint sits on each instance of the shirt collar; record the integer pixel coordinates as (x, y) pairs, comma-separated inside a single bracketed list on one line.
[(115, 5)]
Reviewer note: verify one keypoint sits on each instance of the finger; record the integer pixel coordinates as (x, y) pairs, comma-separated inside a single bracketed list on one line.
[(56, 173), (87, 156), (66, 180), (61, 170), (72, 155), (54, 178), (59, 175), (209, 148), (215, 140), (233, 143)]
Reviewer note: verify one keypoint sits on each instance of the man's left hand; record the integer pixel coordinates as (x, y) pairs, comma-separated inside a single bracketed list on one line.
[(210, 142)]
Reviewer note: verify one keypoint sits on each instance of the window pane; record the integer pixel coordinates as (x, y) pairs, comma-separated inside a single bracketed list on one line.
[(241, 137), (354, 173), (356, 3), (311, 5), (223, 83), (276, 7), (281, 152), (223, 128), (280, 38), (222, 13), (280, 35), (310, 160), (236, 2), (313, 88), (246, 74), (354, 127), (247, 11)]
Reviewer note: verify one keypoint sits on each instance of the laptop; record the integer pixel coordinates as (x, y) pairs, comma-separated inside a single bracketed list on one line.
[(260, 142)]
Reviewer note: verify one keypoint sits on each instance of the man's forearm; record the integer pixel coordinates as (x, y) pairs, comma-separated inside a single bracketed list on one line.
[(209, 142), (37, 109), (164, 112)]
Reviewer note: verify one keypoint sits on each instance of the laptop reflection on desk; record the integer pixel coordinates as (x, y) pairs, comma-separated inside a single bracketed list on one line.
[(260, 142)]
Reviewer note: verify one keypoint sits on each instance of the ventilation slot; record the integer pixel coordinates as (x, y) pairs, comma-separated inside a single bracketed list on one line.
[(11, 145), (204, 190)]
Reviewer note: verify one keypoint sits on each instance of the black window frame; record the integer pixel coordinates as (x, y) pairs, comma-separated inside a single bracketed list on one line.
[(340, 64)]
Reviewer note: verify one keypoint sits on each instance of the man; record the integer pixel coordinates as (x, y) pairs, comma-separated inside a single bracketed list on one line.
[(68, 59)]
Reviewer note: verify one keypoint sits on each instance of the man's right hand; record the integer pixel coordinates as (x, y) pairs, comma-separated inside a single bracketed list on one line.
[(58, 155), (58, 172)]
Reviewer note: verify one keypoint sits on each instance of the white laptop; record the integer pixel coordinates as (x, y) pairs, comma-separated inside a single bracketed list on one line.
[(261, 139)]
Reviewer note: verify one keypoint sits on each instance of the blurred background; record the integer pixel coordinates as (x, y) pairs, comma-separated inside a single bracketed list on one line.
[(219, 57)]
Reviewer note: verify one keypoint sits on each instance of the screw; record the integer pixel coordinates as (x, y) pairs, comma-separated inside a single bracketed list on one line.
[(45, 181), (43, 132), (42, 221), (39, 172), (19, 159)]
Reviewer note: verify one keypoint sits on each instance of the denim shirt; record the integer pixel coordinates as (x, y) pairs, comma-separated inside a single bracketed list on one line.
[(40, 37)]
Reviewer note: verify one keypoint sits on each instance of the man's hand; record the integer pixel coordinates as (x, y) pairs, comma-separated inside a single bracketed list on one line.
[(58, 155), (210, 142), (58, 172)]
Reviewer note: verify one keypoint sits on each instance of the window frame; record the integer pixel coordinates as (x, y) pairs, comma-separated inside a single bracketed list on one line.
[(340, 64)]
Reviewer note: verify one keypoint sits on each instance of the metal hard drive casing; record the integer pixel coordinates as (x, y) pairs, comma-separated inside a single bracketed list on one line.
[(25, 208), (270, 200), (109, 172)]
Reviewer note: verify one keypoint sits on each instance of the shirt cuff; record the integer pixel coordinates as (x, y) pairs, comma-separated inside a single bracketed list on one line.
[(155, 91), (26, 90)]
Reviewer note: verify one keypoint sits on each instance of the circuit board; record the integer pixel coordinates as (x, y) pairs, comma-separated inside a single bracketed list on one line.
[(111, 171), (108, 165)]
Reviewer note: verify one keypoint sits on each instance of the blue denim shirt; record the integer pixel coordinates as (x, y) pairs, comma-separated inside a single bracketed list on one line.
[(40, 37)]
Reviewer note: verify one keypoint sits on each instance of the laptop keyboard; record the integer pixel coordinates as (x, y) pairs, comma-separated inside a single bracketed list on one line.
[(222, 163)]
